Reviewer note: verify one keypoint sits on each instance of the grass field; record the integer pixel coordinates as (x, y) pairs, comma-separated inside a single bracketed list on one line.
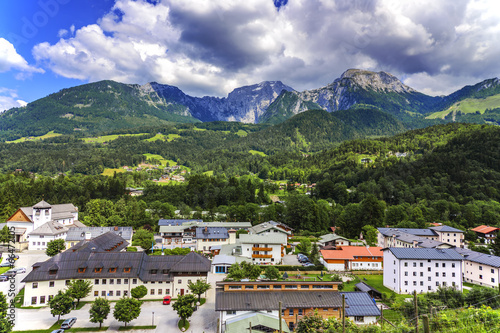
[(159, 158), (51, 134), (209, 173), (241, 133), (108, 138), (111, 172), (470, 105), (168, 137), (256, 152)]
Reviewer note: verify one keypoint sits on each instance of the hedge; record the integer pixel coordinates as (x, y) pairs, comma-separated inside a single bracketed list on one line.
[(300, 268)]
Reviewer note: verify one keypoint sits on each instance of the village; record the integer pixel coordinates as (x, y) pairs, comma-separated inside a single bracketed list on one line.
[(294, 277)]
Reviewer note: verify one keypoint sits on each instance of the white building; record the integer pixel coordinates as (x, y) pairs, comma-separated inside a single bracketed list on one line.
[(421, 269), (114, 274), (479, 268), (263, 249), (433, 237)]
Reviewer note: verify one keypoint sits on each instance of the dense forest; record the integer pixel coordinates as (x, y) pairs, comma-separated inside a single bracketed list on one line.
[(445, 173)]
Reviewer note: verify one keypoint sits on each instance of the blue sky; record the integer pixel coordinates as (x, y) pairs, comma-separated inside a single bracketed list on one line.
[(211, 47)]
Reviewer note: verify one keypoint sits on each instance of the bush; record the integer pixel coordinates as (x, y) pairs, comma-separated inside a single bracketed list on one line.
[(301, 268), (131, 249)]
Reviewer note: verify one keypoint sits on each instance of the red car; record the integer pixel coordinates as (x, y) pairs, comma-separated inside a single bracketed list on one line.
[(166, 300)]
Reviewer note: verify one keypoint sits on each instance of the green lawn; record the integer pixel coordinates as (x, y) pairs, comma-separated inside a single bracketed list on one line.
[(111, 172), (108, 138), (50, 134), (470, 105), (375, 281), (255, 152), (168, 137), (128, 328), (160, 158)]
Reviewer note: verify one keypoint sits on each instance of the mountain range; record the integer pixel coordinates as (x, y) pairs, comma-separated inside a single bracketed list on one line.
[(108, 105)]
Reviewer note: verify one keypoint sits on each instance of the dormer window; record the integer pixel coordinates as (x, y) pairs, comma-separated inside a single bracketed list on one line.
[(53, 272), (98, 269), (82, 269), (126, 270), (154, 271), (112, 270)]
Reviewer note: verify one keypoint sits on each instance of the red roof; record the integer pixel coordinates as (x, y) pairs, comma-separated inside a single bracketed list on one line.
[(349, 252), (484, 229)]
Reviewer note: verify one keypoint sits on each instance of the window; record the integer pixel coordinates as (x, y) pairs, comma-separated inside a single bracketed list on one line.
[(103, 293), (42, 299), (492, 270), (437, 264), (406, 283), (290, 312), (126, 270), (160, 291), (125, 281), (118, 281), (359, 319), (421, 283), (480, 277), (444, 265), (406, 264), (480, 268), (414, 273), (111, 281), (98, 269), (437, 274), (452, 274), (437, 283), (421, 264), (406, 273), (67, 282), (492, 280), (414, 264), (35, 285), (134, 281), (110, 293), (82, 270), (421, 273), (152, 292), (414, 283), (167, 291), (428, 269), (444, 284), (444, 274), (125, 293), (230, 312), (33, 300), (118, 293), (300, 312), (429, 278), (51, 283), (453, 265), (96, 293), (112, 270), (96, 281), (179, 282), (103, 281)]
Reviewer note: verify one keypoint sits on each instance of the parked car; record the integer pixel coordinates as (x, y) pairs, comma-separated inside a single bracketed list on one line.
[(58, 331), (308, 264), (4, 278), (304, 259), (166, 300), (68, 323), (10, 273), (5, 263), (19, 270)]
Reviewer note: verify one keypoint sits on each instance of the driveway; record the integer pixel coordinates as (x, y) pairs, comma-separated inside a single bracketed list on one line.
[(26, 260), (290, 259)]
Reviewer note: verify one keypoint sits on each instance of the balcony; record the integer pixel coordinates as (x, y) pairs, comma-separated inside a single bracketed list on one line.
[(262, 256), (262, 248)]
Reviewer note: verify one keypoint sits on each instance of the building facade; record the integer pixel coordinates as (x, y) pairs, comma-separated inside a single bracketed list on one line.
[(422, 270)]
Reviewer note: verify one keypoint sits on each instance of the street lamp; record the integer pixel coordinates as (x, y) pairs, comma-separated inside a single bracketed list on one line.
[(153, 319)]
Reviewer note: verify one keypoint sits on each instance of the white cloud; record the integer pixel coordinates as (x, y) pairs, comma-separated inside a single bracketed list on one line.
[(9, 99), (10, 59), (211, 47)]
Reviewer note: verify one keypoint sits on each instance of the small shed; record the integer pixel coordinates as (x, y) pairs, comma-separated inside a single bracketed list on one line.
[(374, 293)]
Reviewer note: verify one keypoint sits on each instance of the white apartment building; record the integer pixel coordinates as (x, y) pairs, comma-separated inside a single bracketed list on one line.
[(264, 248), (479, 268), (421, 269), (433, 237), (114, 274)]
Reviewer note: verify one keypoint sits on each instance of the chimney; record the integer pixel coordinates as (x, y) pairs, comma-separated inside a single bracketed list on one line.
[(116, 228), (88, 236)]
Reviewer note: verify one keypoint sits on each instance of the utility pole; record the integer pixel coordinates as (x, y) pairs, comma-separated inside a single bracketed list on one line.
[(416, 310), (381, 315), (250, 327), (426, 323), (343, 313), (281, 328)]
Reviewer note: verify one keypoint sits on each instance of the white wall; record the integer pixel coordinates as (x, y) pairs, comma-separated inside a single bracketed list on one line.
[(481, 274)]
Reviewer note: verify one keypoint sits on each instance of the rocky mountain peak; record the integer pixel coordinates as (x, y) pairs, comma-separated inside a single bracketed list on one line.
[(378, 81)]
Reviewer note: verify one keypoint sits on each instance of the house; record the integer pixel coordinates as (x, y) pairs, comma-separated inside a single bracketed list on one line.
[(333, 240), (271, 227), (361, 308), (263, 249), (434, 237), (76, 235), (184, 231), (346, 258), (113, 274), (479, 268), (27, 219), (237, 299), (421, 269), (486, 233), (207, 238), (374, 293), (41, 236)]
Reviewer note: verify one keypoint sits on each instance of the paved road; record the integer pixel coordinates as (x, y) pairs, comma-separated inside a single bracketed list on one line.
[(26, 260), (291, 259)]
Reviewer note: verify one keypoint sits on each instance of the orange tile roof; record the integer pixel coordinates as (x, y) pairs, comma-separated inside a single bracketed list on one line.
[(484, 229), (349, 252)]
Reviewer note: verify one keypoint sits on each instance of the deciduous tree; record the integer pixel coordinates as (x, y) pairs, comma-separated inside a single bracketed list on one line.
[(99, 311), (199, 287), (55, 246), (61, 304), (79, 289), (127, 309)]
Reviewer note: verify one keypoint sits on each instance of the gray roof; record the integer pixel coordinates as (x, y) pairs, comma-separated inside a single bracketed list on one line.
[(424, 253), (360, 304), (421, 241), (42, 204), (445, 228), (365, 287), (263, 227), (108, 241), (140, 264), (416, 232), (211, 233), (78, 234), (269, 300), (263, 239), (59, 211), (223, 259), (331, 237), (50, 229), (480, 258), (165, 222)]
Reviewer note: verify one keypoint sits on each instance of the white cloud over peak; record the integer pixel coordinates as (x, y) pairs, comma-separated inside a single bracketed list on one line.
[(9, 99), (11, 60), (211, 47)]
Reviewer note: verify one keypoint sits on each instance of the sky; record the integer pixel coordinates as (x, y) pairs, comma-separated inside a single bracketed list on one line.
[(210, 47)]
